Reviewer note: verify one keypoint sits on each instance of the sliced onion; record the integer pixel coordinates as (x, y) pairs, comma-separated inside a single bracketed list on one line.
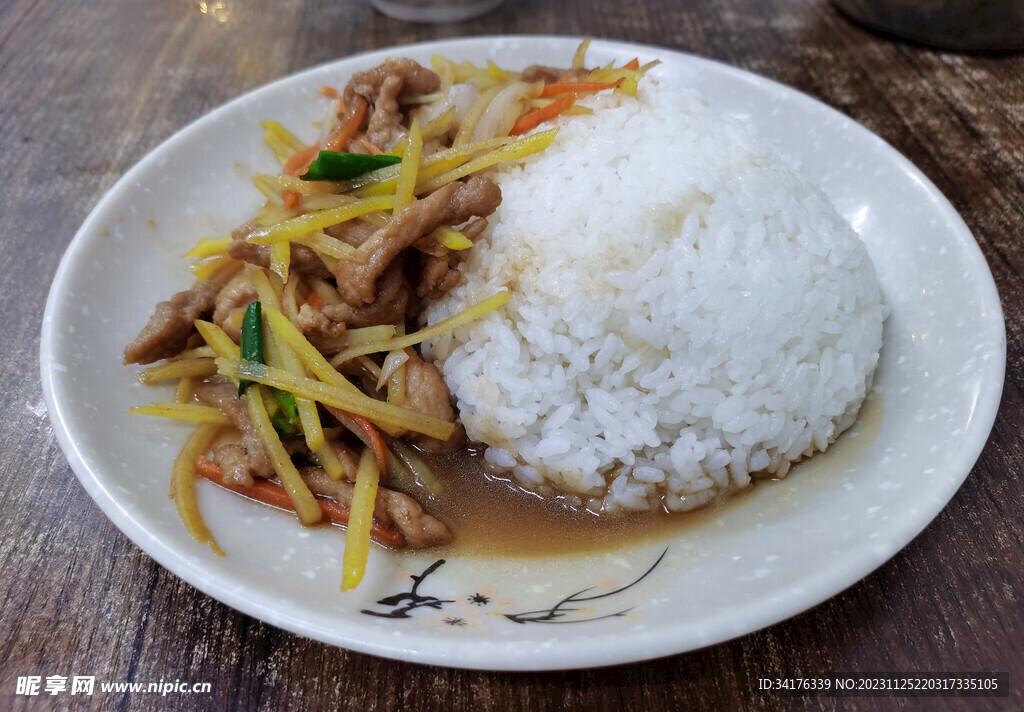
[(391, 363), (461, 96), (504, 109)]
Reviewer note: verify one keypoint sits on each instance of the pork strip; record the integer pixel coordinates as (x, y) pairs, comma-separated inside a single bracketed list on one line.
[(303, 260), (426, 392), (390, 508), (331, 320), (381, 87), (550, 75), (173, 322), (453, 204), (240, 462), (438, 273)]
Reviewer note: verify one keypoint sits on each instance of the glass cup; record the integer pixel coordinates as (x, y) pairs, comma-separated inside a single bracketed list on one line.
[(434, 11)]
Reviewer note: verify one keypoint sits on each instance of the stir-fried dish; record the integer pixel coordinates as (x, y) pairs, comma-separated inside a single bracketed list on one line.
[(297, 348)]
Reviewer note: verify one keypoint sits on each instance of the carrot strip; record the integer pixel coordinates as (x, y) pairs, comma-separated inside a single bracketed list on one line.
[(633, 64), (315, 300), (275, 495), (530, 121), (300, 160), (380, 449), (577, 87), (348, 126), (335, 94), (291, 199)]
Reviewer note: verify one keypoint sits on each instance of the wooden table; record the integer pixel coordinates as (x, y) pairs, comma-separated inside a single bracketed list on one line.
[(87, 89)]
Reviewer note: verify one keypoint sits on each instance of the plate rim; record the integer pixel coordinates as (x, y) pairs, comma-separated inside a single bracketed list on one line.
[(833, 582)]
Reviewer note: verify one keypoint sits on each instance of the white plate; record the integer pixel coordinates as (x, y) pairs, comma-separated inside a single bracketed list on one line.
[(769, 556)]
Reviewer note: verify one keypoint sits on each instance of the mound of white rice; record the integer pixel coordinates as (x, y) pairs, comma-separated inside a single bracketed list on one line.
[(687, 310)]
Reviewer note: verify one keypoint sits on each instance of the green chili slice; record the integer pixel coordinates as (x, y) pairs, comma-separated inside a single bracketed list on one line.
[(334, 166), (251, 343)]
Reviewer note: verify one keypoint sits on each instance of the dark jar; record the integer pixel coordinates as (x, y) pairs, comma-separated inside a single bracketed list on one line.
[(963, 25)]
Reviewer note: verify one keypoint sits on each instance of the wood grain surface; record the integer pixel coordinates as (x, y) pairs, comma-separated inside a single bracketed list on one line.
[(88, 88)]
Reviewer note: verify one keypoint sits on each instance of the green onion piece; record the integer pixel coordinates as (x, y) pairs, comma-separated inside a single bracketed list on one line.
[(286, 420), (285, 428), (334, 166), (283, 411), (252, 339)]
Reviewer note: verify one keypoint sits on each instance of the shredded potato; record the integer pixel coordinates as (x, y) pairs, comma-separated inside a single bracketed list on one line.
[(303, 224), (526, 146), (280, 259), (451, 238), (183, 484), (406, 183), (352, 401), (330, 462), (453, 322), (305, 503), (206, 267), (357, 539), (190, 368), (217, 340), (183, 411), (183, 391), (330, 246), (209, 246)]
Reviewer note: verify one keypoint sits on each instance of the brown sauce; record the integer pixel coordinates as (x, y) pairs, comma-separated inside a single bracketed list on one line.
[(491, 516)]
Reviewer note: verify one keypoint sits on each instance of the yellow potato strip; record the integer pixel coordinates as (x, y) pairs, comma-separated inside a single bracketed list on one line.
[(206, 267), (410, 165), (308, 187), (296, 227), (183, 484), (283, 135), (521, 148), (209, 246), (352, 401), (400, 342), (183, 391), (198, 352), (305, 503), (330, 246), (267, 185), (192, 368), (183, 411), (217, 340), (360, 521), (280, 259), (309, 354), (451, 238), (330, 462)]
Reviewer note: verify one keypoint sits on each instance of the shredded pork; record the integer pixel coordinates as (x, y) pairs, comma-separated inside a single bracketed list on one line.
[(168, 330), (390, 509), (453, 204), (240, 462)]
